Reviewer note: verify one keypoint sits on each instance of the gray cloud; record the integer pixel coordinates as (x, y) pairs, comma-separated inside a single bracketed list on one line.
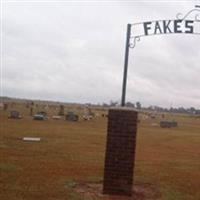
[(75, 52)]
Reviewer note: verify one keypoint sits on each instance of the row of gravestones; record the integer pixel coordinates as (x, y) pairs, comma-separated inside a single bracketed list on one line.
[(70, 116)]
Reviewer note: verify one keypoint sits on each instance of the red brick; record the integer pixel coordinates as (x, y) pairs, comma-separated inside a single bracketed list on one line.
[(120, 152)]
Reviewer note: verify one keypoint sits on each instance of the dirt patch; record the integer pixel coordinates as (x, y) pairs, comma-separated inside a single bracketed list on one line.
[(141, 191)]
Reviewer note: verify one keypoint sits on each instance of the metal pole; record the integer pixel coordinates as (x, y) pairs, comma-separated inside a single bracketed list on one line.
[(128, 33)]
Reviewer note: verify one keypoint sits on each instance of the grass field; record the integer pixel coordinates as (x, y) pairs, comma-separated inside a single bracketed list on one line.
[(72, 152)]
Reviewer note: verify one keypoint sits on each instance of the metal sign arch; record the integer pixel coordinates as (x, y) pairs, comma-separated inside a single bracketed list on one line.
[(180, 25)]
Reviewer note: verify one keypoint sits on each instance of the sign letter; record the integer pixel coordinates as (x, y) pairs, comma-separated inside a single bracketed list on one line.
[(146, 27), (177, 26), (166, 26), (157, 27), (189, 26)]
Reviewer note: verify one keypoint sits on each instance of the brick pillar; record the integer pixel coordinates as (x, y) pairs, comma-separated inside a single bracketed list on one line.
[(120, 152)]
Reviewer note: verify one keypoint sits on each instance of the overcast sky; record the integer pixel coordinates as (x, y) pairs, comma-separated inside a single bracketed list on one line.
[(74, 52)]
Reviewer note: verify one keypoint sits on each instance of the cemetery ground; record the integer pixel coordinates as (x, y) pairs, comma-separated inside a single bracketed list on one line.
[(72, 153)]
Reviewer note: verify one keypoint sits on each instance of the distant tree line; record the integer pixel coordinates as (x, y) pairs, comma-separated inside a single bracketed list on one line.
[(139, 106), (181, 110), (112, 103)]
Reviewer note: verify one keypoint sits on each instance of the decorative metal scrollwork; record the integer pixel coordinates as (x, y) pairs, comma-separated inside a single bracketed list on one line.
[(180, 16), (133, 41)]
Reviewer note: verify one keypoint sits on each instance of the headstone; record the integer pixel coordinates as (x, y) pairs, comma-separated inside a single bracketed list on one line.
[(42, 113), (120, 152), (88, 114), (168, 124), (5, 106), (31, 111), (104, 115), (46, 107), (56, 117), (62, 110), (27, 104), (71, 117), (15, 115), (31, 139), (1, 105), (40, 116)]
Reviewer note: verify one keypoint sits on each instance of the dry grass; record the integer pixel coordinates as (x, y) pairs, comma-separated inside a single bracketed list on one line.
[(74, 152)]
